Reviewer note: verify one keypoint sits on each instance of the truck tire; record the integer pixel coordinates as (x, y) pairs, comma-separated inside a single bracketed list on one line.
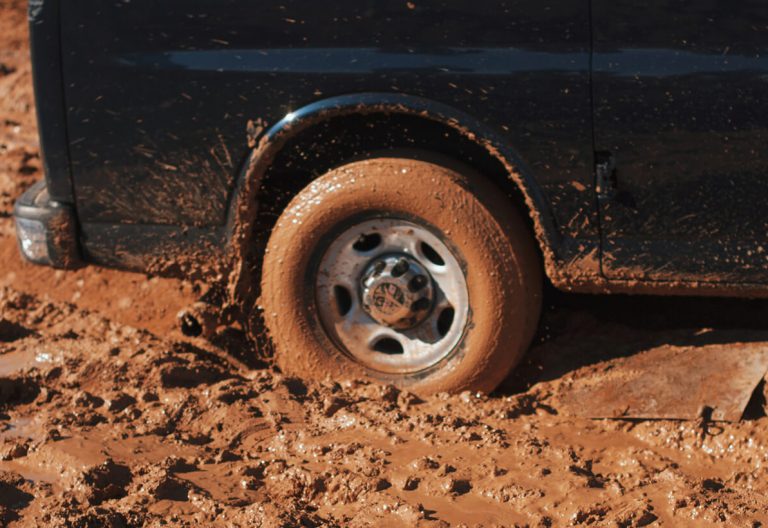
[(410, 272)]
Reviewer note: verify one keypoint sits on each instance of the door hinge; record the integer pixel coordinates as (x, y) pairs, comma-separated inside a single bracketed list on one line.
[(605, 174)]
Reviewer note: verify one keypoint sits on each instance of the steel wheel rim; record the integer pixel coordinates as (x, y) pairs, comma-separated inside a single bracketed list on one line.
[(347, 296)]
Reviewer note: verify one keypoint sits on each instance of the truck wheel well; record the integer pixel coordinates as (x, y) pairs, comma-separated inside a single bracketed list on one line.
[(339, 140), (336, 141)]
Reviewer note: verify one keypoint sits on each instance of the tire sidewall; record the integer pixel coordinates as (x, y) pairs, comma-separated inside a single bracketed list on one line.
[(454, 206)]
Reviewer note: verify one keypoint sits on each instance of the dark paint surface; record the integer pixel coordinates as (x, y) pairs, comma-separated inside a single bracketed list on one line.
[(680, 100), (49, 95), (157, 106)]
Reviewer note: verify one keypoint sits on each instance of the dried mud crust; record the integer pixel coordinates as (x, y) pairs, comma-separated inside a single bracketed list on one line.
[(503, 272)]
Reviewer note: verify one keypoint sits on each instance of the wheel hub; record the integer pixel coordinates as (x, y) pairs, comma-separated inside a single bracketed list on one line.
[(392, 295), (397, 291)]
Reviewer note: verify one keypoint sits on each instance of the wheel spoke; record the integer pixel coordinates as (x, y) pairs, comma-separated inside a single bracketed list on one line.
[(395, 241), (410, 350), (348, 265), (448, 293), (358, 325)]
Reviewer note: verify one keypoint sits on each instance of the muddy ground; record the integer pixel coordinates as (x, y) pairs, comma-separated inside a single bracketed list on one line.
[(109, 417)]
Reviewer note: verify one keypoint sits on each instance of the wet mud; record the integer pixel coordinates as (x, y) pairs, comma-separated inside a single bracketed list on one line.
[(109, 416), (103, 424)]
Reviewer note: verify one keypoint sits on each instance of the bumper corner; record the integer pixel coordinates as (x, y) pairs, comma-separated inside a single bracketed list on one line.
[(46, 230)]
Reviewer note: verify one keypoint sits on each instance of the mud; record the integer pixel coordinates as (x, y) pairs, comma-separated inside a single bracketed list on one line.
[(102, 424), (110, 417)]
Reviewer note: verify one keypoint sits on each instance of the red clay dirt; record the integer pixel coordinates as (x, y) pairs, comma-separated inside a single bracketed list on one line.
[(108, 417)]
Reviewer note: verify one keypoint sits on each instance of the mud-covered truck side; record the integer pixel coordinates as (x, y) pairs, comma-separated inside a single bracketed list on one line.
[(383, 185)]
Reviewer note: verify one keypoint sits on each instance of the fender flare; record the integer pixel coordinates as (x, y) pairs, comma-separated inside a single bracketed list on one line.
[(266, 145)]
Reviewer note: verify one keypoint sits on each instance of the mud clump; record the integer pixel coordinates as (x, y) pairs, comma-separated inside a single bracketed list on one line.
[(168, 487), (102, 518), (14, 449), (119, 402), (103, 482), (14, 497)]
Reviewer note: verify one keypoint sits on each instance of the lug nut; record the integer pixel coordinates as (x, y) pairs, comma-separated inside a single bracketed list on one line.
[(400, 268), (417, 283), (378, 268)]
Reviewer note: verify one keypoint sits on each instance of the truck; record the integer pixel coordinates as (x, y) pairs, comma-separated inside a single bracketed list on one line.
[(386, 187)]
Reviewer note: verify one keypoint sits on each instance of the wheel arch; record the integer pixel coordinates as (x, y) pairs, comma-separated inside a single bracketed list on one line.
[(489, 149)]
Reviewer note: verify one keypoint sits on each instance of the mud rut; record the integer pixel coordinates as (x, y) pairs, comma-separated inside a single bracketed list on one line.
[(109, 417)]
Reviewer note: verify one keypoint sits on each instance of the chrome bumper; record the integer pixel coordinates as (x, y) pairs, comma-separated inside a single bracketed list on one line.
[(46, 229)]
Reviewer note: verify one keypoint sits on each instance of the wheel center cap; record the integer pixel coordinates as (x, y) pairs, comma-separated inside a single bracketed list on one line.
[(397, 291)]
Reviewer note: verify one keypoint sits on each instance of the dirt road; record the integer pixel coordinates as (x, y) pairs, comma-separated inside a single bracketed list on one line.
[(108, 417)]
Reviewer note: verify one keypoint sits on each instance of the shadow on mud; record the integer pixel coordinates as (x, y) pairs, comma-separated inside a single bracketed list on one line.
[(12, 499), (16, 391), (581, 330), (237, 345), (664, 313), (10, 331)]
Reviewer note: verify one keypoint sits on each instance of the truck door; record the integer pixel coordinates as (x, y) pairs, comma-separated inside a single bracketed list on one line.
[(681, 122)]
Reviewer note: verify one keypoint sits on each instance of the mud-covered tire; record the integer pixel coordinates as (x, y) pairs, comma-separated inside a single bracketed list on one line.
[(487, 234)]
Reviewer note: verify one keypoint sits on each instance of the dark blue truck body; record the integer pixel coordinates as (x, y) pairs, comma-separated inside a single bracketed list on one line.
[(634, 135)]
